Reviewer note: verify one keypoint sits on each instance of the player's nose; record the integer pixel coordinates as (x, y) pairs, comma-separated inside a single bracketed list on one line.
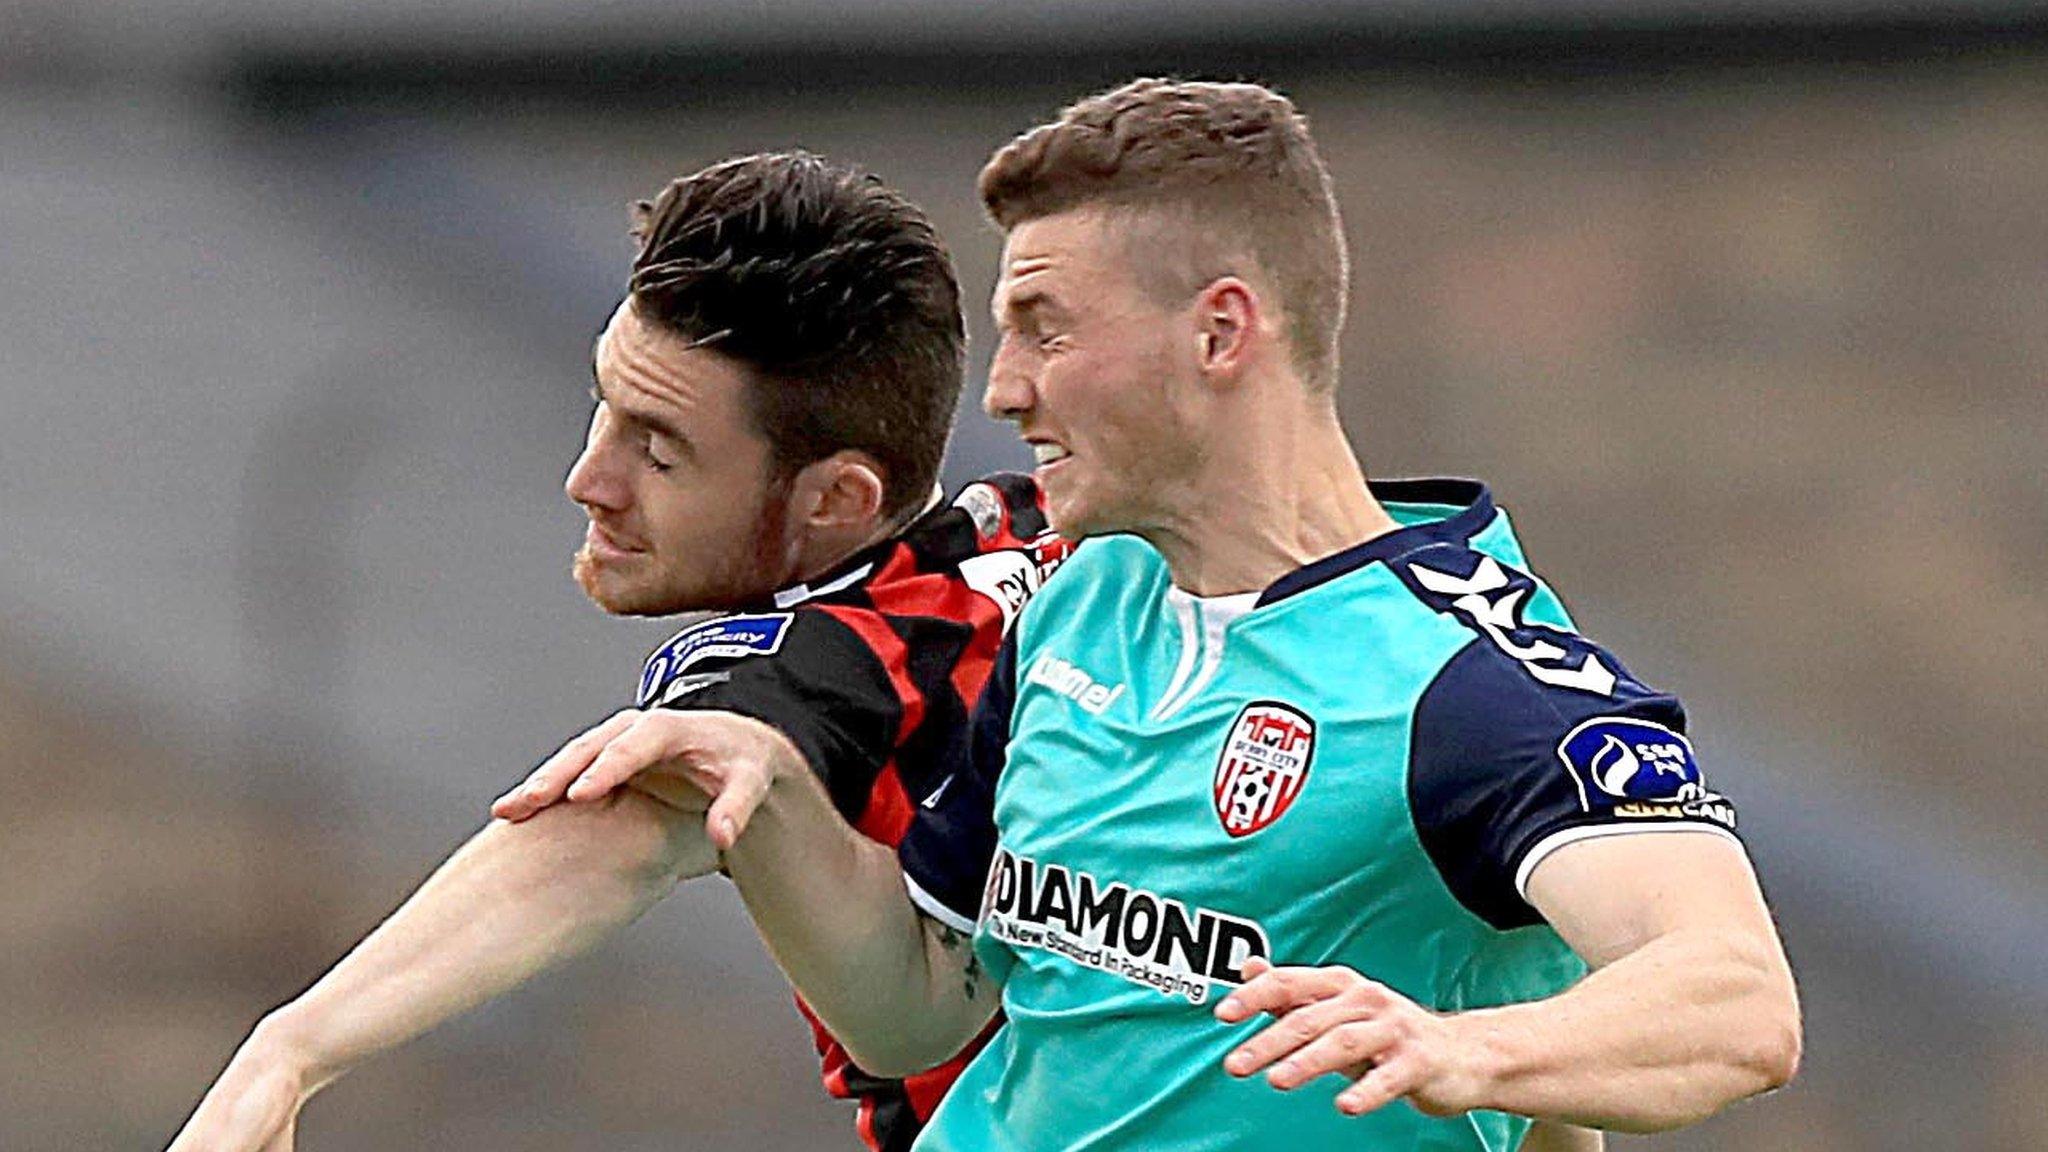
[(1009, 394), (593, 483)]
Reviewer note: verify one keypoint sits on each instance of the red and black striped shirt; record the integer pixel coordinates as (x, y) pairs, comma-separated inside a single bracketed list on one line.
[(871, 671)]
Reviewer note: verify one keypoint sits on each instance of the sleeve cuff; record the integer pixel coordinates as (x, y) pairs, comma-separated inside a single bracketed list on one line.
[(935, 908), (1576, 833)]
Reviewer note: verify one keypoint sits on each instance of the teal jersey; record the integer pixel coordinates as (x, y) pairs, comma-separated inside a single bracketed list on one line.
[(1358, 766)]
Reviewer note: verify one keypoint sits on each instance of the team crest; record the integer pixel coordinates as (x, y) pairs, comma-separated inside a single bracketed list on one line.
[(1265, 762)]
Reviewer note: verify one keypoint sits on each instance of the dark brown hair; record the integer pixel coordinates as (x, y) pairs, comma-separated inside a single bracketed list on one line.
[(1221, 172), (831, 290)]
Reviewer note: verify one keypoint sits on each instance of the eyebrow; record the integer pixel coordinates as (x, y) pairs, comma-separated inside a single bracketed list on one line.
[(1023, 302), (652, 420)]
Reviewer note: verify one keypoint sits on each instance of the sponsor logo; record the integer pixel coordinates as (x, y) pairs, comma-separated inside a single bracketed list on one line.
[(1639, 769), (1128, 932), (1493, 603), (728, 637), (1070, 680), (681, 686), (1010, 577), (1264, 764)]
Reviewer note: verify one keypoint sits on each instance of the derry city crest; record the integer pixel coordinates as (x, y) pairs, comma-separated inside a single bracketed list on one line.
[(1265, 762)]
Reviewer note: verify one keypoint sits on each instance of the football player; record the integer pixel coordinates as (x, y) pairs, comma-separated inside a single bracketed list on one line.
[(1296, 813), (772, 401)]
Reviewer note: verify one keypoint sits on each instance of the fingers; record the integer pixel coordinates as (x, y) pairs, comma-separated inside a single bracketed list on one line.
[(1329, 1020), (646, 742), (1327, 1036), (1380, 1086), (731, 759), (745, 788), (550, 782), (1349, 1047), (1276, 990)]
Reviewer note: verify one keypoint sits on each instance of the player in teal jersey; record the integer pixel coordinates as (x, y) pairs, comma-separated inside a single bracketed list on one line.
[(1274, 715), (1171, 785)]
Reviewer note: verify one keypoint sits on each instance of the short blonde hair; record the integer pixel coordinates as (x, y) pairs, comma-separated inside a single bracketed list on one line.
[(1229, 171)]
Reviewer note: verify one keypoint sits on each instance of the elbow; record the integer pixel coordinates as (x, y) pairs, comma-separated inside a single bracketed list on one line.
[(1773, 1057), (1764, 1054), (900, 1057), (888, 1062), (1777, 1036)]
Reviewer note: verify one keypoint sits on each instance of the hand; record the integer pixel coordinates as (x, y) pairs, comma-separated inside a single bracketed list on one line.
[(253, 1107), (1335, 1020), (716, 762)]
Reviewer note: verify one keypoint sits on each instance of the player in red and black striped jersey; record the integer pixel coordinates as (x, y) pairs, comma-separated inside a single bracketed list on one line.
[(869, 670), (773, 398)]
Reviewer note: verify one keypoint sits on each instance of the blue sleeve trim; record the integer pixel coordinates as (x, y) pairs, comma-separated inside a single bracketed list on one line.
[(946, 853)]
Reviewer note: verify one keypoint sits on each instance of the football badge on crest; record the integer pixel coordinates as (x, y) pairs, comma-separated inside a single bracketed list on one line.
[(1265, 762)]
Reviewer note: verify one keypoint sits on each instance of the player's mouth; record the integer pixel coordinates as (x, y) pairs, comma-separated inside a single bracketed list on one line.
[(1048, 454), (603, 546)]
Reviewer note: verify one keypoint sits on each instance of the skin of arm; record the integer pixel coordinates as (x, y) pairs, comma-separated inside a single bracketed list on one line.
[(516, 899), (901, 991), (1545, 1136), (1690, 1005)]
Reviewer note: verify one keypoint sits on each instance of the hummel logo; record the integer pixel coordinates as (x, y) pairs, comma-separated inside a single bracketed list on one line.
[(1070, 681)]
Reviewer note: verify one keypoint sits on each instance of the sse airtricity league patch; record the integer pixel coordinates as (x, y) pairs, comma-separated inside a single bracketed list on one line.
[(728, 637), (1636, 768)]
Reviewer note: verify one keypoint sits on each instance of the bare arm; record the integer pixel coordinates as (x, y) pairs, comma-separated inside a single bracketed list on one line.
[(1545, 1136), (900, 990), (1690, 1006), (513, 901)]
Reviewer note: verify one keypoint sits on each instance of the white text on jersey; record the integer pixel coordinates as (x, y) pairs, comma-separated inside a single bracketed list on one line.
[(1070, 680)]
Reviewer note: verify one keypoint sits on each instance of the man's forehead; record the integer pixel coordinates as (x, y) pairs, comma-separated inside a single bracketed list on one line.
[(1052, 238), (1018, 277), (1037, 254), (621, 316)]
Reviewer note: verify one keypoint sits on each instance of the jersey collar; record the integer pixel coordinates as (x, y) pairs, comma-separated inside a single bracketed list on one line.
[(1473, 511), (859, 566)]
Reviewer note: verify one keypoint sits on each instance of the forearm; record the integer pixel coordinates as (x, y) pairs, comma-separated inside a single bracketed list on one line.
[(1660, 1038), (516, 899), (900, 991), (1548, 1136)]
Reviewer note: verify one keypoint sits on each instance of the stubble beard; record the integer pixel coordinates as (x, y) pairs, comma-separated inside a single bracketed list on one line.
[(745, 574)]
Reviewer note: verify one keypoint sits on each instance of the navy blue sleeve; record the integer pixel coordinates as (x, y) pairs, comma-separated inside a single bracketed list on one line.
[(1504, 767), (946, 852)]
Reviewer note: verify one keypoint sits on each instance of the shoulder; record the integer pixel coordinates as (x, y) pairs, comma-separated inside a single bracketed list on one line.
[(807, 639), (1515, 613), (1106, 563)]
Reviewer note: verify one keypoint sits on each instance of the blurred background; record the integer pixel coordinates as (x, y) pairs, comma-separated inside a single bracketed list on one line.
[(1742, 307)]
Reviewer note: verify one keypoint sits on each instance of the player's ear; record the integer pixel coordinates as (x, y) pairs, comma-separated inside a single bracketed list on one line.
[(844, 490), (1226, 324)]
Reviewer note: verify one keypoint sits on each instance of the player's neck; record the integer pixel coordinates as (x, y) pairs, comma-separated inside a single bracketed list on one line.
[(1256, 514), (825, 553)]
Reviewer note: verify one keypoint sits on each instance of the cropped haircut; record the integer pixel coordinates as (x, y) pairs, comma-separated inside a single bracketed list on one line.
[(834, 294), (1214, 174)]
